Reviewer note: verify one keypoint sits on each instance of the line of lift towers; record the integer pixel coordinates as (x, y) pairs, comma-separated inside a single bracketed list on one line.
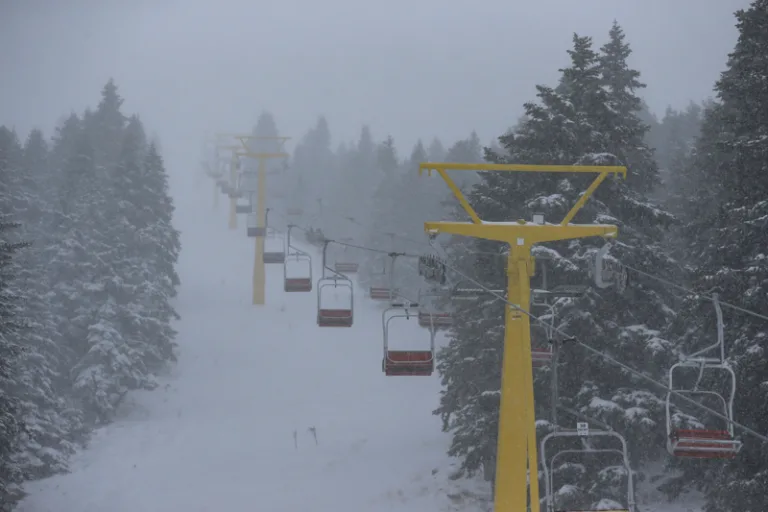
[(516, 481)]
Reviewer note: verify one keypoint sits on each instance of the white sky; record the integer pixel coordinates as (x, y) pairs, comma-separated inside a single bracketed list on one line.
[(418, 68)]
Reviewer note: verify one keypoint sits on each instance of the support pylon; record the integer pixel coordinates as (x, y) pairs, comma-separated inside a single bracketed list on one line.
[(259, 274), (516, 455)]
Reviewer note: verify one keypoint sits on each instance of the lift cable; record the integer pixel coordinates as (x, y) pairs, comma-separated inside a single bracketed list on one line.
[(567, 336)]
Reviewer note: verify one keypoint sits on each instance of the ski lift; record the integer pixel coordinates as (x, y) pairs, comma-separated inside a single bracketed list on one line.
[(705, 442), (405, 362), (274, 255), (346, 267), (609, 272), (429, 316), (388, 292), (297, 272), (541, 354), (252, 226), (234, 193), (584, 433), (243, 207), (297, 269), (432, 269), (467, 291), (334, 315)]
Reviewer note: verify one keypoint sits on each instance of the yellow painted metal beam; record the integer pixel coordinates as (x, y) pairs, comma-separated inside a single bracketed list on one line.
[(259, 273), (517, 455), (527, 232), (452, 166)]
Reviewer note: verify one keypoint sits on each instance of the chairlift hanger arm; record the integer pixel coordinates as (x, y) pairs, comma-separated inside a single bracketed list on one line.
[(602, 170)]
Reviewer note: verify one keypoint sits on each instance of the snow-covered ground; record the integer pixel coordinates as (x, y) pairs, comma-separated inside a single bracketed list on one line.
[(231, 429)]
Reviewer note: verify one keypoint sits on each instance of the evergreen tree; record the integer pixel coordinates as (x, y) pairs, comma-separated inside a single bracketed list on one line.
[(386, 157), (11, 426), (725, 236), (105, 126), (52, 423), (436, 151)]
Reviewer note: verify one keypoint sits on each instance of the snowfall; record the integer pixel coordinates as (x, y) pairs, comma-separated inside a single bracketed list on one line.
[(266, 411)]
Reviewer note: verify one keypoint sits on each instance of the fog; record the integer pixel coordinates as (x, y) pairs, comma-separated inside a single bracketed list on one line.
[(408, 68)]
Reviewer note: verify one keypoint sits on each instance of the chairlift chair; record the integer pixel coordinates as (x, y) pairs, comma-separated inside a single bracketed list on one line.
[(608, 272), (346, 267), (334, 316), (387, 292), (274, 256), (406, 362), (252, 226), (541, 354), (548, 467), (242, 207), (706, 442), (429, 316), (303, 281)]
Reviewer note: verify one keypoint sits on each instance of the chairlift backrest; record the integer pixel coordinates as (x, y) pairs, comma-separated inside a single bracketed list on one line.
[(548, 467)]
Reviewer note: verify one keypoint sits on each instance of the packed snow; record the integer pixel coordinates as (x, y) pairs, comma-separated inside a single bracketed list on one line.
[(267, 411)]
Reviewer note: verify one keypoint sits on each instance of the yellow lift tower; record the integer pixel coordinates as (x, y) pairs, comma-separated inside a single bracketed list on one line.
[(259, 276), (516, 455)]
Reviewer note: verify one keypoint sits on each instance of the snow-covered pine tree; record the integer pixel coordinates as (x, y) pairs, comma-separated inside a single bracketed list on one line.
[(105, 126), (568, 127), (116, 351), (725, 236), (51, 422), (436, 151), (78, 272), (160, 242), (11, 425)]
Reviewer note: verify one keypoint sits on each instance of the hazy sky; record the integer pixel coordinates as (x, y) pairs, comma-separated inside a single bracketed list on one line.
[(412, 69)]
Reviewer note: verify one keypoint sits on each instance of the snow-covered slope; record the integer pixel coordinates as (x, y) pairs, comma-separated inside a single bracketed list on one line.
[(219, 434)]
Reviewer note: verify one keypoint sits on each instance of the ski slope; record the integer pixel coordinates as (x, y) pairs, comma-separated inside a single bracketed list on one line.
[(218, 435)]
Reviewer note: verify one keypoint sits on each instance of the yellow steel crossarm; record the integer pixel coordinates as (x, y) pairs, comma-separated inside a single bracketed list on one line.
[(262, 155), (513, 232), (602, 170)]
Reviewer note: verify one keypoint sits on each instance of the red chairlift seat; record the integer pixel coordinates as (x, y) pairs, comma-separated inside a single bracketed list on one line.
[(274, 257), (334, 318), (419, 363), (540, 357), (377, 293), (704, 444), (347, 267), (438, 319), (298, 284)]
